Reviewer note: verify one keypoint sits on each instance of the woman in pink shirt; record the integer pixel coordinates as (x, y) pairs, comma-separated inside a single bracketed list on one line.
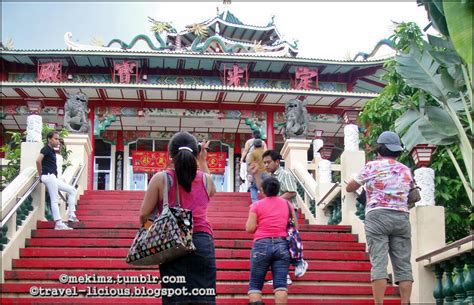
[(195, 187), (268, 219)]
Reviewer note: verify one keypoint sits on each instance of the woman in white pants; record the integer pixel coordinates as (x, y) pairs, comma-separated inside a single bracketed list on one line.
[(48, 172)]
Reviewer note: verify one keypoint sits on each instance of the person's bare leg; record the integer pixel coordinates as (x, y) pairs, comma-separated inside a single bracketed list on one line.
[(378, 290), (405, 291), (281, 297), (255, 297)]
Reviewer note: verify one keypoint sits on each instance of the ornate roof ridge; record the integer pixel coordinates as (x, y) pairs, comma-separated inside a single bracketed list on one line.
[(190, 53)]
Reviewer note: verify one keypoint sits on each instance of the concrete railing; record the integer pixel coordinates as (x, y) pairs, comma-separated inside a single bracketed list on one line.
[(427, 222), (23, 200)]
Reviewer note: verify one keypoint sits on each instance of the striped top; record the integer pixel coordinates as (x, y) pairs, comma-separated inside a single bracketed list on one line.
[(287, 183)]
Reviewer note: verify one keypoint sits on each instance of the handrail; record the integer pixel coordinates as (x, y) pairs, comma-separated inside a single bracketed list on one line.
[(328, 192), (18, 204), (456, 244), (77, 176), (302, 184)]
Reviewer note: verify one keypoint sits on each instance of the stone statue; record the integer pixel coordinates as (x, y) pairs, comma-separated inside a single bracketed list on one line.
[(296, 116), (75, 109)]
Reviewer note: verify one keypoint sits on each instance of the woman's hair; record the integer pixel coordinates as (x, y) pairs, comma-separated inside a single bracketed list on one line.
[(183, 149), (257, 143), (256, 134), (51, 134), (271, 186), (382, 150)]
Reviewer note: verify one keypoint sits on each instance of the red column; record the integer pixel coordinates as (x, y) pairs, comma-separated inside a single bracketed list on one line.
[(91, 116), (270, 131), (237, 149), (119, 146)]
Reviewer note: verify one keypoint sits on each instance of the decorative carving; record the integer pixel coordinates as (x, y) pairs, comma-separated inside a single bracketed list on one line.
[(351, 137), (34, 127), (50, 71), (233, 76), (424, 178), (124, 70), (75, 119), (303, 78), (296, 117), (324, 171)]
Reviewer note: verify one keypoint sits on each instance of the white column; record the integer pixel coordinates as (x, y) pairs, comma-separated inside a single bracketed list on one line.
[(424, 178), (324, 180), (113, 149), (34, 128), (80, 147), (351, 137), (125, 177)]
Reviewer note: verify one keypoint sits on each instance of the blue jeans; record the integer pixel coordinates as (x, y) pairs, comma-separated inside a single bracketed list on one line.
[(253, 187), (268, 252)]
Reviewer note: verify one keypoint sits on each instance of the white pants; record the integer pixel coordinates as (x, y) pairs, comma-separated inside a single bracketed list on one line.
[(54, 185)]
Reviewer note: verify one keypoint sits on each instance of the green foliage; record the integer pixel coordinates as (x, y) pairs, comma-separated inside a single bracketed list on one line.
[(12, 152), (399, 99)]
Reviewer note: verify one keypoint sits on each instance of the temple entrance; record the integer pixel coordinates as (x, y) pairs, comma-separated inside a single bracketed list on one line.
[(138, 177)]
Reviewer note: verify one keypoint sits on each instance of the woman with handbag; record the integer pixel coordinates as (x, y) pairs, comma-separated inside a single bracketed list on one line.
[(268, 220), (387, 224), (194, 187)]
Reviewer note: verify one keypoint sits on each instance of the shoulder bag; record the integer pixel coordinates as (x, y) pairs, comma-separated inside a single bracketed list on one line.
[(169, 237), (295, 245)]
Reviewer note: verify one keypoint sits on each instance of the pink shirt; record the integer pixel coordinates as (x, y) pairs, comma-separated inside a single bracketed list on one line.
[(197, 201), (387, 183), (272, 217)]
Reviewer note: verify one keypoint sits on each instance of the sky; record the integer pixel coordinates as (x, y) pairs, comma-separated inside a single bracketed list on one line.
[(325, 30)]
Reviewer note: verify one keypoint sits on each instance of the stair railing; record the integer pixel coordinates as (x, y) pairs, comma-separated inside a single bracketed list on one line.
[(23, 205), (452, 268), (304, 198)]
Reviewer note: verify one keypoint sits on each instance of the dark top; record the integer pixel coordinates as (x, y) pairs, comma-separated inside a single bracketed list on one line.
[(48, 165)]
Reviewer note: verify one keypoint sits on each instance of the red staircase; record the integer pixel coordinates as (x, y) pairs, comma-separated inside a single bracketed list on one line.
[(339, 269)]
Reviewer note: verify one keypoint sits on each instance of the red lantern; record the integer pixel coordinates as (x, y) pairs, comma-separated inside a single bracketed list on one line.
[(318, 134), (422, 154), (350, 116), (326, 152), (34, 106)]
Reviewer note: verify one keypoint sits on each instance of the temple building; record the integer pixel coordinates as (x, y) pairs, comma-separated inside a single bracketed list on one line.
[(218, 79)]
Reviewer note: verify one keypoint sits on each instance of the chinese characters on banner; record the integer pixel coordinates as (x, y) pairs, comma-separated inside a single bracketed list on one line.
[(124, 70), (304, 78), (154, 161), (49, 71), (149, 161), (216, 162), (234, 76)]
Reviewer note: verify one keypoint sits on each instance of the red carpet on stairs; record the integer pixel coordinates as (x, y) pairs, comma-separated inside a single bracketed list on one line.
[(338, 273)]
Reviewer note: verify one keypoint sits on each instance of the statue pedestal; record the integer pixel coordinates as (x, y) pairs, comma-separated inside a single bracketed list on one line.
[(295, 151), (29, 153), (81, 149), (351, 163)]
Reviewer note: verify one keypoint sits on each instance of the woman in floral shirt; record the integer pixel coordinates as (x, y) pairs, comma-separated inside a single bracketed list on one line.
[(387, 225)]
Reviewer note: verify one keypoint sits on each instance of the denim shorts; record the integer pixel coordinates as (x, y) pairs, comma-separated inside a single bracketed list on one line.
[(388, 232), (198, 268), (266, 253)]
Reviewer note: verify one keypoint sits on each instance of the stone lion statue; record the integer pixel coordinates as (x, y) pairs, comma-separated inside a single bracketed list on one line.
[(75, 110), (296, 117)]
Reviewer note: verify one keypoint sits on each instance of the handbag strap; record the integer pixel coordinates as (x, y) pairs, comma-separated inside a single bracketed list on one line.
[(290, 214), (165, 191)]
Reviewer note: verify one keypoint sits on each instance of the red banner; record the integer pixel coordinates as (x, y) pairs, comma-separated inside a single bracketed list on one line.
[(149, 161), (154, 161), (216, 162)]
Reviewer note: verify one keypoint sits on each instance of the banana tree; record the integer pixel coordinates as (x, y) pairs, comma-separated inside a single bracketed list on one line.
[(439, 72)]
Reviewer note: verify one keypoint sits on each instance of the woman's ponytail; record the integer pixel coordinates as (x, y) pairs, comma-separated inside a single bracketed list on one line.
[(185, 167)]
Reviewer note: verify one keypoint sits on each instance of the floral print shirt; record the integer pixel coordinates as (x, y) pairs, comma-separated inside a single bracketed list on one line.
[(387, 184)]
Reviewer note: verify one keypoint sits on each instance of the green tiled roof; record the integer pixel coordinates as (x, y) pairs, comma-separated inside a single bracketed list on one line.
[(230, 18)]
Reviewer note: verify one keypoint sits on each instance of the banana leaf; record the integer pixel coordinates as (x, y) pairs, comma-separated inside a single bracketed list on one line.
[(419, 69), (459, 15)]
